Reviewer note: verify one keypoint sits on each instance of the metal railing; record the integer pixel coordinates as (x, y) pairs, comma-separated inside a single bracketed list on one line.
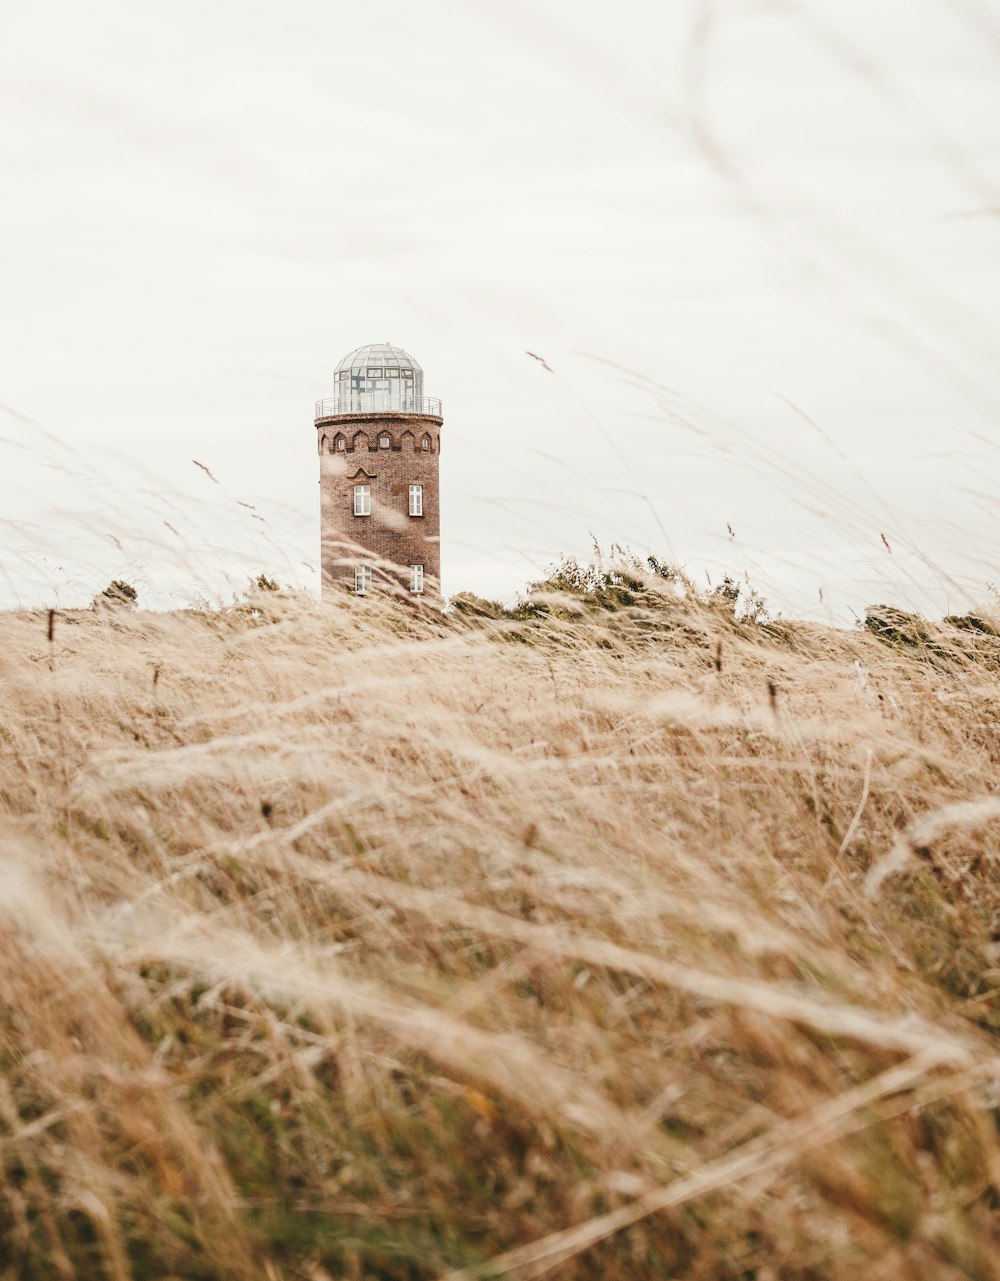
[(373, 403)]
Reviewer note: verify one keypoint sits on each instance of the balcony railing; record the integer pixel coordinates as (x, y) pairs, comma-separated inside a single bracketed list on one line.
[(374, 403)]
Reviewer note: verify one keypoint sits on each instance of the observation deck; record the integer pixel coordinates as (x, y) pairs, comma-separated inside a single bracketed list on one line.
[(376, 381), (377, 404)]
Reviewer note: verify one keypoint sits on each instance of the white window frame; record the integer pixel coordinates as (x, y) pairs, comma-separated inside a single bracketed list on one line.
[(384, 442), (362, 500), (362, 579), (416, 500), (416, 578), (425, 443), (341, 443)]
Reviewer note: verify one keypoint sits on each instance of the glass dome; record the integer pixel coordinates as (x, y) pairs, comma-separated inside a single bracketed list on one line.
[(378, 377)]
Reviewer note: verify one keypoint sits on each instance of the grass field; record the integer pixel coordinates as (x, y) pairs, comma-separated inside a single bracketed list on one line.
[(618, 940)]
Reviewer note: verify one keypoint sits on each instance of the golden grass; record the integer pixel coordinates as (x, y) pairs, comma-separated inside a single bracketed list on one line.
[(352, 941)]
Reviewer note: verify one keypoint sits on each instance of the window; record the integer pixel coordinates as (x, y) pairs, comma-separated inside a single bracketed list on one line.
[(425, 443), (416, 578), (416, 500), (374, 373), (393, 373), (362, 579), (384, 442), (363, 500), (340, 442), (407, 373)]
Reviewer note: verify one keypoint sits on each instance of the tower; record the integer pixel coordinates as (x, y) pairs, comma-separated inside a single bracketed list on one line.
[(379, 440)]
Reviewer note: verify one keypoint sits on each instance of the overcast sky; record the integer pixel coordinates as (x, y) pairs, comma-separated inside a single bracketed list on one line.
[(757, 243)]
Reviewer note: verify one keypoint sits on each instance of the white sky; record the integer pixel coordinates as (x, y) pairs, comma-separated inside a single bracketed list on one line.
[(205, 205)]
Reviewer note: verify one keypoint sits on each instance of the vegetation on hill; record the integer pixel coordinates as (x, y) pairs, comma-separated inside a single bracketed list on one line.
[(625, 934)]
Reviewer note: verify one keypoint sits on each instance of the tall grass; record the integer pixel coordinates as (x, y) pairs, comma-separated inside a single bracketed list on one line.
[(621, 939)]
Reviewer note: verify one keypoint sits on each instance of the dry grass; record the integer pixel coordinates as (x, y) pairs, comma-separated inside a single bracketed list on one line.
[(346, 941)]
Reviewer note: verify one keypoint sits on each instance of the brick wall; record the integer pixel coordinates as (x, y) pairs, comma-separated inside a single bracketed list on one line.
[(390, 540)]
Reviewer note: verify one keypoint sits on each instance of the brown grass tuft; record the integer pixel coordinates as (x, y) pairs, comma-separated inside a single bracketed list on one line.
[(617, 939)]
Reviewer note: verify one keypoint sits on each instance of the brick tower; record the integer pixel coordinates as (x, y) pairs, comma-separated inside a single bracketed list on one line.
[(379, 440)]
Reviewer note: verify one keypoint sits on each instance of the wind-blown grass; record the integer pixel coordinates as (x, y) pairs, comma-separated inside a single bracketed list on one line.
[(619, 939)]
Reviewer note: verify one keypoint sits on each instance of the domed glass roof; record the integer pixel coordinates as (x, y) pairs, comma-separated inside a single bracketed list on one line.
[(378, 378), (379, 355)]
